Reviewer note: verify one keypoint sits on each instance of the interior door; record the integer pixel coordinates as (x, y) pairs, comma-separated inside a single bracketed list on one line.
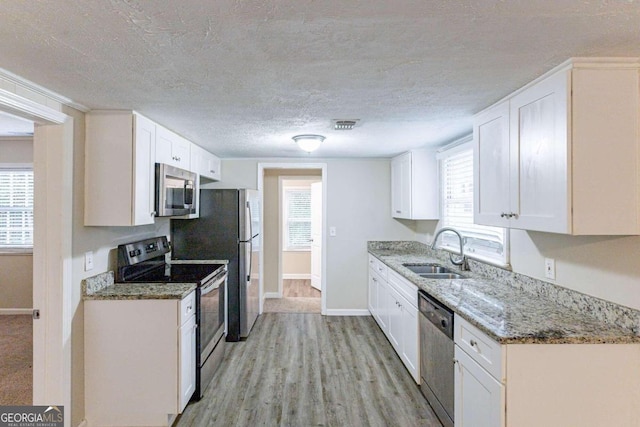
[(316, 235)]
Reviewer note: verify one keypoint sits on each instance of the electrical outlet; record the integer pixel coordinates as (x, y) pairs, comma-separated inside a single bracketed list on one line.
[(550, 268), (88, 261), (332, 231)]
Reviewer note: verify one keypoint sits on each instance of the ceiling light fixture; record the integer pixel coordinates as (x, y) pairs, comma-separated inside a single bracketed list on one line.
[(308, 143)]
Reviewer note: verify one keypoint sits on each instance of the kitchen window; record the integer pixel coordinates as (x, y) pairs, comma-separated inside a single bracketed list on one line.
[(16, 208), (481, 242), (297, 218)]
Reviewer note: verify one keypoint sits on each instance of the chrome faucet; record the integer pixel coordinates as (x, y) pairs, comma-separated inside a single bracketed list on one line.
[(462, 261)]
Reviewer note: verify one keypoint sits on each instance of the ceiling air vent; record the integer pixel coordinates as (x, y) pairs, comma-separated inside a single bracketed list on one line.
[(345, 124)]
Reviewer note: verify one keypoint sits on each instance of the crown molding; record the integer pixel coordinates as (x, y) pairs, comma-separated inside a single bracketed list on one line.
[(27, 108), (31, 86)]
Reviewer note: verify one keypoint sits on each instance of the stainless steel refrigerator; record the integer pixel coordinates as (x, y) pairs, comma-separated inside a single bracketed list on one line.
[(228, 228)]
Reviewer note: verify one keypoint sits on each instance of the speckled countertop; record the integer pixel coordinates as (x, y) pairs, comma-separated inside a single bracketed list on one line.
[(102, 287), (128, 291), (501, 310)]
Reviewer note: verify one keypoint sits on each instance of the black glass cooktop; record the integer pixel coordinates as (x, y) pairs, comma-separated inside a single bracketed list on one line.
[(174, 273)]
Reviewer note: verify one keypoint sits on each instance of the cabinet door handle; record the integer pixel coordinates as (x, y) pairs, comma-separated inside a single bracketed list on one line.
[(153, 213), (374, 279), (398, 211)]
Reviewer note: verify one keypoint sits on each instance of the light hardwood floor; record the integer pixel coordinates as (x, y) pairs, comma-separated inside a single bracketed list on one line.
[(309, 370), (298, 296), (299, 288)]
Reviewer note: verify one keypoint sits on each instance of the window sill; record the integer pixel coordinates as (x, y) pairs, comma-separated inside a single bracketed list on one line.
[(16, 251), (296, 250), (480, 258)]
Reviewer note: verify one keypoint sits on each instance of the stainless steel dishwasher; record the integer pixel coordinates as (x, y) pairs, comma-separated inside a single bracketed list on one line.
[(436, 357)]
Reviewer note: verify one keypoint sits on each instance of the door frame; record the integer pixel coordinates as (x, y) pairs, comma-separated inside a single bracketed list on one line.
[(280, 221), (293, 165), (52, 248)]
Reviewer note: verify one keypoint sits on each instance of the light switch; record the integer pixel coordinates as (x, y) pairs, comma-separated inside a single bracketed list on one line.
[(550, 268), (332, 231), (88, 261)]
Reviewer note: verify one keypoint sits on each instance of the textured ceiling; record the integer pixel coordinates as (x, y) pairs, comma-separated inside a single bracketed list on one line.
[(240, 77)]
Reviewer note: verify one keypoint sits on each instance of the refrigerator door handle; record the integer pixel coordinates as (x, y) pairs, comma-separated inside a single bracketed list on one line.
[(250, 260)]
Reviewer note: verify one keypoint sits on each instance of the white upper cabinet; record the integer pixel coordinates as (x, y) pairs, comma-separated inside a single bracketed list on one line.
[(172, 149), (491, 166), (414, 185), (119, 169), (205, 164), (561, 155)]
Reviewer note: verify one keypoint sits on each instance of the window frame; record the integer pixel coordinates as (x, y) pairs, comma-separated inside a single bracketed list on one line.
[(285, 218), (18, 249), (475, 252)]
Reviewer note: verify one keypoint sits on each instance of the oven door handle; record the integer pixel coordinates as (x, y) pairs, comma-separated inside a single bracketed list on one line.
[(214, 285)]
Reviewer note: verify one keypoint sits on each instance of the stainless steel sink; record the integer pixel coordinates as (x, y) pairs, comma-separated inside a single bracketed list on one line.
[(433, 271), (443, 276)]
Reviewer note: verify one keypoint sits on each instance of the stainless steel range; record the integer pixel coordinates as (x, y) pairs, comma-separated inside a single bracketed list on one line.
[(145, 261)]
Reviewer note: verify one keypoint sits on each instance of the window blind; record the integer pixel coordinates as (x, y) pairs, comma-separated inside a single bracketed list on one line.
[(456, 169), (297, 218), (16, 208)]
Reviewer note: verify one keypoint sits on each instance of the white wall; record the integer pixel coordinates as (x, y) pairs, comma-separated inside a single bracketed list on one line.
[(16, 150), (16, 280), (358, 200)]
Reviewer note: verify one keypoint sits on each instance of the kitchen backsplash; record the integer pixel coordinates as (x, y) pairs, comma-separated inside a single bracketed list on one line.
[(603, 310)]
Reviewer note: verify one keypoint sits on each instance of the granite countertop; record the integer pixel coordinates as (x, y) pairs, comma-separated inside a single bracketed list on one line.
[(102, 287), (501, 310)]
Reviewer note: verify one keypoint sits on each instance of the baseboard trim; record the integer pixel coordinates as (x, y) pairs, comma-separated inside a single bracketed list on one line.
[(343, 312), (297, 276), (84, 423), (272, 295), (16, 311)]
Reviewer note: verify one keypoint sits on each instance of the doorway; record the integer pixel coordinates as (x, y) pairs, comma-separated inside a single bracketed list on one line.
[(294, 217), (53, 183), (16, 260)]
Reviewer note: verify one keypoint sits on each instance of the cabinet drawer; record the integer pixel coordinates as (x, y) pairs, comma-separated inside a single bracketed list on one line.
[(187, 307), (378, 266), (484, 350), (405, 288)]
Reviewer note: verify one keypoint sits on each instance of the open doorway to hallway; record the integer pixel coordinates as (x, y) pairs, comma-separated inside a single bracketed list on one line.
[(16, 260), (293, 230)]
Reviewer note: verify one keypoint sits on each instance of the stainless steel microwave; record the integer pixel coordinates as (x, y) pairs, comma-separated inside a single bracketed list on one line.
[(175, 191)]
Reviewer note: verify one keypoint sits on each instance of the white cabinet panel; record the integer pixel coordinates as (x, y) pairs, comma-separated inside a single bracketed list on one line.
[(491, 166), (539, 163), (205, 164), (187, 361), (414, 185), (411, 341), (572, 153), (172, 149), (139, 361), (479, 398), (395, 319), (119, 169)]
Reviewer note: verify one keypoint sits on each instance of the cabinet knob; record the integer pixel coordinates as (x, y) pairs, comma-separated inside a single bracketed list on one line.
[(502, 215), (153, 213), (473, 343), (212, 171), (398, 211)]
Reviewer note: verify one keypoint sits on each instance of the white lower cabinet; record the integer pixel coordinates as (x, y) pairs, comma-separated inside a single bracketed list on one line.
[(396, 314), (479, 398), (187, 361), (551, 385), (139, 358)]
